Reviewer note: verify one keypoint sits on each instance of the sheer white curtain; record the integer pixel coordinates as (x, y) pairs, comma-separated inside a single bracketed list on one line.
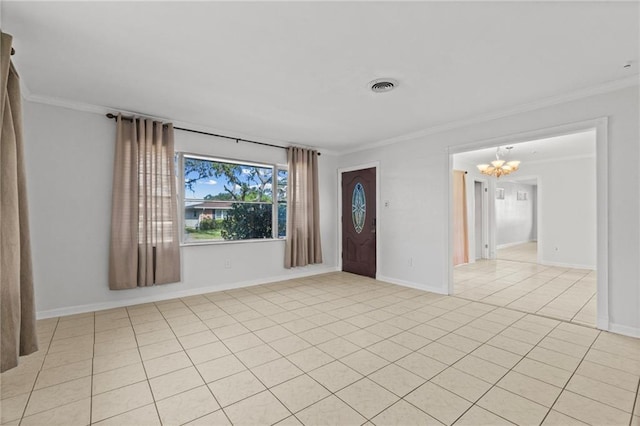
[(144, 249), (303, 220)]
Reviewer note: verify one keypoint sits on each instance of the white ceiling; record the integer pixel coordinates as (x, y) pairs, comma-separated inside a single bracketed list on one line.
[(298, 72), (573, 145)]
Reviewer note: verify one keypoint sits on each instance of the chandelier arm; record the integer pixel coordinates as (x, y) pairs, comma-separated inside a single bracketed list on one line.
[(499, 167)]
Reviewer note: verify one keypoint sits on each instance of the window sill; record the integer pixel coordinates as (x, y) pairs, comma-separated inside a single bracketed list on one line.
[(217, 243)]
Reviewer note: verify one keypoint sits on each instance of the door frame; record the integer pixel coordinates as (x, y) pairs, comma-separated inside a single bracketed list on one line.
[(602, 199), (484, 231), (341, 171)]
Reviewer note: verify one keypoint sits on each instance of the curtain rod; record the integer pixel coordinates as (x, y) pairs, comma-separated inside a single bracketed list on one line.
[(113, 116)]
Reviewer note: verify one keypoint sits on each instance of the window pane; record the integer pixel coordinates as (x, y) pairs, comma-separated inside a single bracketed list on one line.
[(219, 180), (203, 220), (283, 178), (282, 220), (226, 200), (247, 221), (219, 221)]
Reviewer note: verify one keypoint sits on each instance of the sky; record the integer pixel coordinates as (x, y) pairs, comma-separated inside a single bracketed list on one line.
[(213, 185)]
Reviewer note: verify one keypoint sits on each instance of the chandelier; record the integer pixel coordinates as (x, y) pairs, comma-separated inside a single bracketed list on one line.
[(499, 167)]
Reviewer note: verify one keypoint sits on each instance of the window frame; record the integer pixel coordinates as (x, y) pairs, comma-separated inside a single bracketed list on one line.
[(180, 177)]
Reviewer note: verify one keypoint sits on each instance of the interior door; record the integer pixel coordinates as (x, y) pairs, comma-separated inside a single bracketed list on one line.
[(359, 222)]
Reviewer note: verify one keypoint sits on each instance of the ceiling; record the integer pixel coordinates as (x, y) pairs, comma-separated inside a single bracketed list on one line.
[(573, 145), (298, 71)]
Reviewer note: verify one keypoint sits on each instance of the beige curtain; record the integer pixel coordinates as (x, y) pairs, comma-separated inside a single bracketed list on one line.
[(303, 218), (144, 215), (18, 318), (460, 233)]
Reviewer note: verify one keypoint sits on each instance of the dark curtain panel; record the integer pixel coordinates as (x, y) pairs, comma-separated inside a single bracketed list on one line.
[(18, 315)]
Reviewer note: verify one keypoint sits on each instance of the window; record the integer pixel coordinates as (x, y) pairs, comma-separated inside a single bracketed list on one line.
[(283, 176), (225, 200)]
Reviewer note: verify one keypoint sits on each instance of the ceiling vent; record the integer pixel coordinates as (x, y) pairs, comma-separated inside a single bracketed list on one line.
[(381, 85)]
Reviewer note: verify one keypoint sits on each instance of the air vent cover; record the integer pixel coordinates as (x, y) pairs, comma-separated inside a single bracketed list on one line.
[(381, 85)]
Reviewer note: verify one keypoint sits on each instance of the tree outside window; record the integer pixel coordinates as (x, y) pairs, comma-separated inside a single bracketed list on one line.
[(224, 200)]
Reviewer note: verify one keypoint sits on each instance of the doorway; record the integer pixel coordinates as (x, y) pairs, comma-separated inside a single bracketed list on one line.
[(481, 219), (567, 277), (516, 220), (358, 224)]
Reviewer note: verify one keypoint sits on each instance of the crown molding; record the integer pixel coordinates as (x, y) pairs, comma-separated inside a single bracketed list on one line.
[(103, 110), (531, 106), (563, 159), (610, 86), (68, 104)]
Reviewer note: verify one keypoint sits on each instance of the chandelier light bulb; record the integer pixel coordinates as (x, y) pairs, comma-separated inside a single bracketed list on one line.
[(499, 167)]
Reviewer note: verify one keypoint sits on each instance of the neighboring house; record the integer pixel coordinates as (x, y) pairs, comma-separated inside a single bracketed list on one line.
[(196, 212)]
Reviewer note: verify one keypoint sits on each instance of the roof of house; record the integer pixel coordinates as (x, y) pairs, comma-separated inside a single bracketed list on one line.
[(217, 205)]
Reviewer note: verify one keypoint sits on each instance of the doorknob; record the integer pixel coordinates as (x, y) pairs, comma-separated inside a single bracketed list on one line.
[(373, 226)]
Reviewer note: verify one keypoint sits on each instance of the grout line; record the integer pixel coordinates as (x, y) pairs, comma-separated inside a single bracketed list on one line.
[(387, 294), (305, 372), (193, 365), (508, 371), (135, 336), (565, 291), (635, 404), (361, 348), (531, 313), (583, 306), (570, 377), (24, 410), (531, 291)]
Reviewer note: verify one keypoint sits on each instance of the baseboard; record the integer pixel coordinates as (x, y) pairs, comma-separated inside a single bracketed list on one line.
[(625, 330), (79, 309), (602, 323), (568, 265), (410, 284)]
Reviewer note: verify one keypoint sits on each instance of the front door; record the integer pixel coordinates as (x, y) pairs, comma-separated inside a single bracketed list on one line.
[(359, 222)]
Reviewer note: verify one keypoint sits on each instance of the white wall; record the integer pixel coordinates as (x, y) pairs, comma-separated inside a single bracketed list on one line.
[(69, 162), (415, 173), (515, 218), (567, 208)]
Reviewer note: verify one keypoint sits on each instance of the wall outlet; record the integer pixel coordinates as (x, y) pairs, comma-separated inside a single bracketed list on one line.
[(387, 203), (227, 264)]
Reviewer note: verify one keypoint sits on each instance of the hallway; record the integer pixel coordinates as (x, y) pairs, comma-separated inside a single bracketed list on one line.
[(515, 281)]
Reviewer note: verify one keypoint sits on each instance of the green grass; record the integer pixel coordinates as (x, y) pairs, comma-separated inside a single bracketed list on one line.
[(193, 234)]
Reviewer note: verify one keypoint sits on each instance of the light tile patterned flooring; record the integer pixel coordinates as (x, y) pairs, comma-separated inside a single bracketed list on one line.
[(527, 252), (330, 349), (516, 281)]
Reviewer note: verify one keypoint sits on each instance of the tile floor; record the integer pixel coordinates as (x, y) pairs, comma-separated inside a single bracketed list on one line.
[(527, 252), (331, 349), (516, 281)]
